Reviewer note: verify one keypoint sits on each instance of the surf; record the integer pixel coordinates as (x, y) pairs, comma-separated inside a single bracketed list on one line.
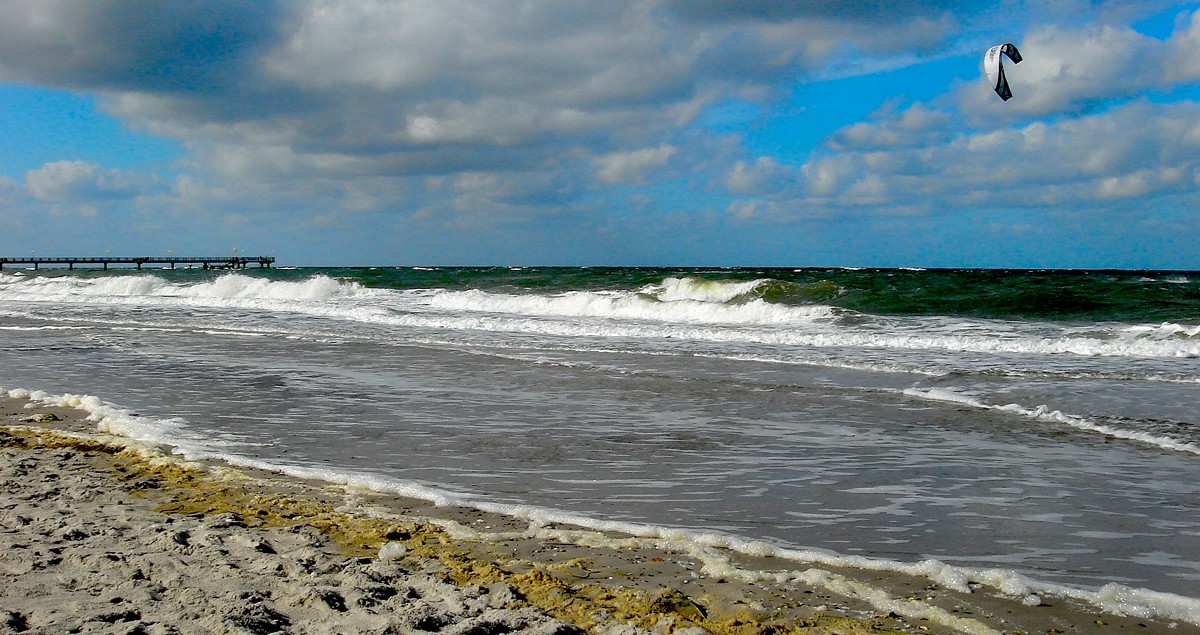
[(1045, 414), (682, 309), (713, 549)]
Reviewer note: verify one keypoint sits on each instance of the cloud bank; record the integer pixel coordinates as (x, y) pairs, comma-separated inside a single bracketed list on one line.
[(490, 111), (1083, 135)]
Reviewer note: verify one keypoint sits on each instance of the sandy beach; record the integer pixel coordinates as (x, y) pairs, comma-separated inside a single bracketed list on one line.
[(104, 535)]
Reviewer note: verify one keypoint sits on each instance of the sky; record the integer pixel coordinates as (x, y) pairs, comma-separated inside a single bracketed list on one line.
[(627, 132)]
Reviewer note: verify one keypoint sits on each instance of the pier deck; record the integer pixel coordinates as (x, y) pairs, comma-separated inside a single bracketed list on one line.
[(211, 262)]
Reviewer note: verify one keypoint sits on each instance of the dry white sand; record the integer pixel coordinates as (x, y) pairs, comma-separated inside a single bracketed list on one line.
[(100, 538)]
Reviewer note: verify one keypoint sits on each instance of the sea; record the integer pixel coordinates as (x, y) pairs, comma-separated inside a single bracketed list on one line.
[(1036, 429)]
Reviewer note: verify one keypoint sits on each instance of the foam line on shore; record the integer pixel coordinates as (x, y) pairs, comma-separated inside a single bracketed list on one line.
[(214, 503), (709, 548), (1045, 414)]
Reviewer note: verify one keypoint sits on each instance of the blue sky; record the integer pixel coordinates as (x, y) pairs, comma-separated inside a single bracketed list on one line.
[(631, 132)]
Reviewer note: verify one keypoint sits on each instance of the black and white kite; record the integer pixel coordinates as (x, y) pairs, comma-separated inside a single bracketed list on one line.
[(995, 69)]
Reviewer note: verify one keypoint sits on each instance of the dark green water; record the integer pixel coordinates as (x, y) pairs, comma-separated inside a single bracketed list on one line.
[(1085, 296)]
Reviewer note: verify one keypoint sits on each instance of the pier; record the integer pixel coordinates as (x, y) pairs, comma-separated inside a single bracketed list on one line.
[(213, 262)]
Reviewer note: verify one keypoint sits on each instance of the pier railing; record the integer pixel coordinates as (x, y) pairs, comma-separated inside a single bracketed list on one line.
[(207, 262)]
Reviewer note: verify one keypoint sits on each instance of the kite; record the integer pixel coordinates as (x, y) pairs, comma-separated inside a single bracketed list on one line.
[(995, 69)]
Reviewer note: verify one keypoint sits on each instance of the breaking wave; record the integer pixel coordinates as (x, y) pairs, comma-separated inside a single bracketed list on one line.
[(683, 309)]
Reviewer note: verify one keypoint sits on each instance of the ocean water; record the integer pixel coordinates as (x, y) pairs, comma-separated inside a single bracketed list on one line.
[(1036, 427)]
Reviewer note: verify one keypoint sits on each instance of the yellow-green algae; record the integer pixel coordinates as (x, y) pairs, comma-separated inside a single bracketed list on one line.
[(177, 487)]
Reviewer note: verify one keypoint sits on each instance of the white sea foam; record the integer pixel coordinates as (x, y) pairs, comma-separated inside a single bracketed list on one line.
[(680, 309), (701, 290), (708, 547), (42, 328), (228, 287), (1048, 415), (625, 306), (1164, 331)]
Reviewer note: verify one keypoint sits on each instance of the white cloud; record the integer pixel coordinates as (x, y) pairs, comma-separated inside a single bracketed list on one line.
[(494, 109), (80, 181), (1066, 69), (1184, 52), (918, 125), (763, 175), (629, 167), (1095, 151), (1063, 69), (435, 86), (1141, 149), (750, 209)]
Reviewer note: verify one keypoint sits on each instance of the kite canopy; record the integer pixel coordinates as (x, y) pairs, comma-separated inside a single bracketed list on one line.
[(995, 69)]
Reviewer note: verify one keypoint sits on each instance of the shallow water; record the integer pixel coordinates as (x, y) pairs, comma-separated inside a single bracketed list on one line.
[(1065, 451)]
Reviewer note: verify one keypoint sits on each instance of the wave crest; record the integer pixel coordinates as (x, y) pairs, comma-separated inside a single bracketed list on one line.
[(635, 306), (235, 286), (230, 286), (1164, 331), (701, 290), (770, 290)]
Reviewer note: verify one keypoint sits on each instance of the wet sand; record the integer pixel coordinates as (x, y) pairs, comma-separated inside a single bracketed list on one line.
[(101, 534)]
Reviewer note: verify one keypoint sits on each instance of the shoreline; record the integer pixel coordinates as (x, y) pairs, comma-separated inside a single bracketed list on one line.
[(199, 547)]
